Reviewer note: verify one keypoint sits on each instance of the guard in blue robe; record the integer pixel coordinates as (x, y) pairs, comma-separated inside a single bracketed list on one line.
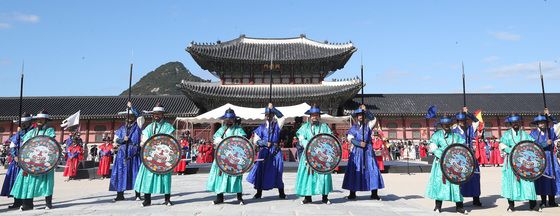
[(362, 172), (467, 131), (268, 170), (16, 141), (547, 184), (126, 165)]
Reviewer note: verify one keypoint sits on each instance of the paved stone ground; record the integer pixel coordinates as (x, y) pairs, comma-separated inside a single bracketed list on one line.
[(403, 196)]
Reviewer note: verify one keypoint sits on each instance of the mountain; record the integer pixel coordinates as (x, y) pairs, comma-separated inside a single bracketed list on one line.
[(162, 80)]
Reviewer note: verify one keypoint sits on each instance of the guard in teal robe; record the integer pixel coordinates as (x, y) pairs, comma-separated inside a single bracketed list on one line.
[(514, 188), (439, 189), (309, 182), (218, 181), (148, 182), (28, 186)]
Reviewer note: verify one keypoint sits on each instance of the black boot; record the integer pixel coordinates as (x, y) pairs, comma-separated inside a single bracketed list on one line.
[(219, 199), (147, 200), (27, 205), (326, 200), (374, 195), (459, 208), (476, 201), (258, 195), (543, 201), (137, 196), (17, 204), (511, 206), (120, 196), (167, 201), (48, 202), (438, 206), (281, 193), (552, 201), (240, 198), (533, 206), (306, 200), (351, 196)]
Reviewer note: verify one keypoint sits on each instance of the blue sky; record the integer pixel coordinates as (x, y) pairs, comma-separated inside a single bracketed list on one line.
[(85, 48)]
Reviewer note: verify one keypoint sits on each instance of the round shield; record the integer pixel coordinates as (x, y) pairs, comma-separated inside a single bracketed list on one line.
[(161, 153), (235, 155), (528, 160), (323, 153), (457, 163), (39, 155)]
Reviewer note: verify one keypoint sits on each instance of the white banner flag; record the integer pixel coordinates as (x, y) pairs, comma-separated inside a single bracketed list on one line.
[(71, 121)]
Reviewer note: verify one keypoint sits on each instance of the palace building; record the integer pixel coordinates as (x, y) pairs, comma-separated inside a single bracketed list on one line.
[(299, 68)]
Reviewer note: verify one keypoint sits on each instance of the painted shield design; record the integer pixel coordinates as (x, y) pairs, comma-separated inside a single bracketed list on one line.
[(528, 160), (235, 155), (161, 153), (457, 163), (39, 155), (323, 153)]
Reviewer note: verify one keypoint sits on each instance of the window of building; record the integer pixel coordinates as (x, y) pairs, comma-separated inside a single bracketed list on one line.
[(488, 124), (2, 130), (99, 130), (392, 132), (415, 125)]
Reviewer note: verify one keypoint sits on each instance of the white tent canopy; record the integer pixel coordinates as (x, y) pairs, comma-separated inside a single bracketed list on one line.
[(256, 115)]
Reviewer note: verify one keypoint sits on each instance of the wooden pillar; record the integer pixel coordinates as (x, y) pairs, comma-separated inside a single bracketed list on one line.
[(113, 128), (428, 128), (87, 131), (379, 121), (11, 128), (499, 126), (404, 127), (61, 139)]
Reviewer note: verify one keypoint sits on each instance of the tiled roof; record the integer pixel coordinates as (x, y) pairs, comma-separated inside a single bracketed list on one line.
[(490, 104), (211, 95), (260, 49), (252, 53), (94, 107)]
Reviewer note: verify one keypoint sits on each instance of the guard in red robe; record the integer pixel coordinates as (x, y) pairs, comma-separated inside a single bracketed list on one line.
[(200, 154), (75, 155), (481, 152), (345, 150), (423, 151), (496, 156), (209, 153), (182, 166), (378, 146), (105, 158)]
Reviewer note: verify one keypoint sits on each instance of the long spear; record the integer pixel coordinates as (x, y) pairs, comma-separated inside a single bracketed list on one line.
[(128, 112), (464, 93), (467, 133), (542, 86), (20, 106), (547, 131), (364, 114), (21, 95)]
